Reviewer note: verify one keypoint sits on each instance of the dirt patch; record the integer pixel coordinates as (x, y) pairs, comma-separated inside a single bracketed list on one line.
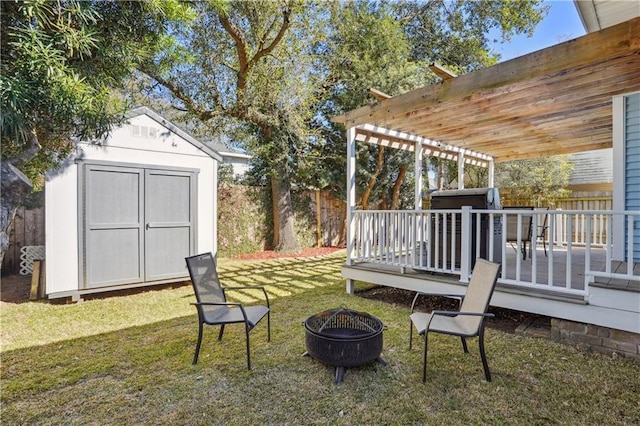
[(505, 319), (15, 288)]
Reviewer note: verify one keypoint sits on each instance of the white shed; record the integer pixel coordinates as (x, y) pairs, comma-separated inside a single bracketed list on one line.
[(126, 212)]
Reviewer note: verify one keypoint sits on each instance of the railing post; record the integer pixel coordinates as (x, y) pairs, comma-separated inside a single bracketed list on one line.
[(465, 243), (351, 196)]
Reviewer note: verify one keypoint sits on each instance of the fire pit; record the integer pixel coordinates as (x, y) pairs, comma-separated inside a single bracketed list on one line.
[(343, 338)]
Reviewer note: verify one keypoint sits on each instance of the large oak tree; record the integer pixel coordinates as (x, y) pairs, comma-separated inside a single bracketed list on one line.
[(245, 68)]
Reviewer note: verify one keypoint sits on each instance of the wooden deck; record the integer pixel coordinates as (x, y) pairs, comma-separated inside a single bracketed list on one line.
[(613, 304), (557, 269), (563, 270)]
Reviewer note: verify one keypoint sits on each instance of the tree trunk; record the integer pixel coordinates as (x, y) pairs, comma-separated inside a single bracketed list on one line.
[(395, 197), (284, 236), (15, 186), (372, 182), (440, 172)]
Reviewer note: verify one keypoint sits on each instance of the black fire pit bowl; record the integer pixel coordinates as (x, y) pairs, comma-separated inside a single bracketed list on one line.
[(343, 338)]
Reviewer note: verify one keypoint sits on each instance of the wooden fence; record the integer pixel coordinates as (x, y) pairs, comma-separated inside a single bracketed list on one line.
[(332, 213), (28, 230)]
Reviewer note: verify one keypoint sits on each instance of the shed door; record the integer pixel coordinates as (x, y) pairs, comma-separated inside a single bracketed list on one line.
[(169, 212), (114, 239), (139, 224)]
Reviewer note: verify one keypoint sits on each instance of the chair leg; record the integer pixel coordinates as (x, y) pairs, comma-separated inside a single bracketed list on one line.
[(269, 326), (410, 334), (483, 355), (246, 330), (464, 345), (424, 358), (195, 356), (221, 332)]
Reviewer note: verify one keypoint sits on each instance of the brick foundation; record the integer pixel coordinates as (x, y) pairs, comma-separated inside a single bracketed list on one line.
[(596, 339)]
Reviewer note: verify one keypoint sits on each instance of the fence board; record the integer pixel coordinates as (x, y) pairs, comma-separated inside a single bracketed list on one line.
[(28, 230)]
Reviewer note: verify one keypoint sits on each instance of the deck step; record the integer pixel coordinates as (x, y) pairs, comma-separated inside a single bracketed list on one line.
[(618, 267)]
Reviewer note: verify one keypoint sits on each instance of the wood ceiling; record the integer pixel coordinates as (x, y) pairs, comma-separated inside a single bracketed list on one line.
[(553, 101)]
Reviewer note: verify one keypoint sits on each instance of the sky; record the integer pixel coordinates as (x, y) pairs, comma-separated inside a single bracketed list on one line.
[(562, 23)]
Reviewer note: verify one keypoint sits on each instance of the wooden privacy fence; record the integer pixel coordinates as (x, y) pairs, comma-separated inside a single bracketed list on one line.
[(332, 214), (28, 230)]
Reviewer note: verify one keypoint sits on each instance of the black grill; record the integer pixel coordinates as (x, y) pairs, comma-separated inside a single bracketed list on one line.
[(343, 338)]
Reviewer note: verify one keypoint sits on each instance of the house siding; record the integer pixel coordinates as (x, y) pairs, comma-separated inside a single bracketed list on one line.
[(632, 163)]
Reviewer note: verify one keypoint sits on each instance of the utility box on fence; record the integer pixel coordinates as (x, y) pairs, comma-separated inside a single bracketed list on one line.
[(480, 198)]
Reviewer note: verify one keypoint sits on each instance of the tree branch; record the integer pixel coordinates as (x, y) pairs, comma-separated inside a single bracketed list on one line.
[(286, 22), (31, 149), (241, 49), (202, 114)]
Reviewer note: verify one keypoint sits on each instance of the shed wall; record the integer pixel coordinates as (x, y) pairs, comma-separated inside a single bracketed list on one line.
[(143, 142)]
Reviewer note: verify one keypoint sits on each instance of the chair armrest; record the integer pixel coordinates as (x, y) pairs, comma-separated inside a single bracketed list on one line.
[(419, 293), (249, 287), (453, 314), (456, 313), (216, 304)]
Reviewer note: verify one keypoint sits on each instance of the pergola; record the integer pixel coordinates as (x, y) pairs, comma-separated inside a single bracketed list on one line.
[(553, 101)]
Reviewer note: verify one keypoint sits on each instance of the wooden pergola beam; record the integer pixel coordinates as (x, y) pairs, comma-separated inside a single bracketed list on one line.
[(552, 101), (379, 95), (442, 72)]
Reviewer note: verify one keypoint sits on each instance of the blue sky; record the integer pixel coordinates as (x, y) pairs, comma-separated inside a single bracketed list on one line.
[(562, 23)]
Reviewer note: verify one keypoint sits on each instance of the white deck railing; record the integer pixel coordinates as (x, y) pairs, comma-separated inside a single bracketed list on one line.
[(579, 244)]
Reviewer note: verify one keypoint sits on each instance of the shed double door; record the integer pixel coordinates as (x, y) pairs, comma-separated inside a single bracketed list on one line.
[(139, 224)]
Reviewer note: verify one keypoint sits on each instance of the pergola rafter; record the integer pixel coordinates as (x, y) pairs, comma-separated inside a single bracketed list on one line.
[(554, 101)]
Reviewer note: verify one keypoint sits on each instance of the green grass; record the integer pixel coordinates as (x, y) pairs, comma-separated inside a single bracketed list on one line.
[(127, 360)]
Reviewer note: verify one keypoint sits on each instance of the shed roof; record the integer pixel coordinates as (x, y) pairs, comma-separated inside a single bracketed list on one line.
[(143, 110), (553, 101)]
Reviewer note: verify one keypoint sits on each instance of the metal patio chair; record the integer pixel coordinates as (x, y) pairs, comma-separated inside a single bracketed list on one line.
[(542, 230), (213, 307), (526, 229), (468, 321)]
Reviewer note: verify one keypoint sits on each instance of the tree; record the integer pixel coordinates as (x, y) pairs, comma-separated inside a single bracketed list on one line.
[(248, 70), (367, 48), (389, 46), (539, 180), (60, 62)]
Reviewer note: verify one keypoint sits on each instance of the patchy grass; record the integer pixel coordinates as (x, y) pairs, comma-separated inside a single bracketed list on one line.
[(127, 360)]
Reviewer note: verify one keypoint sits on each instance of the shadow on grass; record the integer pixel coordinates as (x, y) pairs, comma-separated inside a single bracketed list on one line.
[(142, 373)]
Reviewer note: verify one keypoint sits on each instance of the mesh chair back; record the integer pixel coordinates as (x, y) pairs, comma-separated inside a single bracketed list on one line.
[(525, 226), (479, 291), (204, 277)]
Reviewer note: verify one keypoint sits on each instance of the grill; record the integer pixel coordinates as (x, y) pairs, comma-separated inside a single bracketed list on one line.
[(343, 338)]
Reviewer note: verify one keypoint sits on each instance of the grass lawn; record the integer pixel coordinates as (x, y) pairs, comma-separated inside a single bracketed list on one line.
[(127, 360)]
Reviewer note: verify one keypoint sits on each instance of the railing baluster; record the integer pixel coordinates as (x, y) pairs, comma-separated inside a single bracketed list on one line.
[(587, 256), (567, 282)]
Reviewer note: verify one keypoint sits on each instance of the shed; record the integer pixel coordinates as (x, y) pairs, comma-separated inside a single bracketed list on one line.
[(125, 212)]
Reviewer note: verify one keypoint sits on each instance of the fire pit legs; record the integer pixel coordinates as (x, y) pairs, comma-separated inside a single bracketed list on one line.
[(339, 375), (340, 370)]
